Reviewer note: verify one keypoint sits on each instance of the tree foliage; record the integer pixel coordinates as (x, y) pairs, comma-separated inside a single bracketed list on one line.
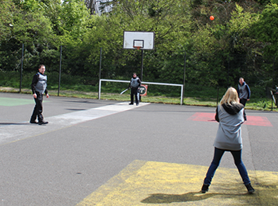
[(6, 20), (240, 41), (265, 30)]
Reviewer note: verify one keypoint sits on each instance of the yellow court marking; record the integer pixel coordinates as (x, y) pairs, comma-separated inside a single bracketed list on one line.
[(158, 183)]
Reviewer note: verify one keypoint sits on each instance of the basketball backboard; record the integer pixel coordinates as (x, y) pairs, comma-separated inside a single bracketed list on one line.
[(138, 40)]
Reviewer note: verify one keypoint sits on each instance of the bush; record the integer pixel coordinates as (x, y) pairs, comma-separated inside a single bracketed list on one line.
[(88, 84)]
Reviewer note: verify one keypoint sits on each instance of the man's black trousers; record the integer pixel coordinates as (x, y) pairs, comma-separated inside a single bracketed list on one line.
[(134, 92), (243, 101), (37, 109)]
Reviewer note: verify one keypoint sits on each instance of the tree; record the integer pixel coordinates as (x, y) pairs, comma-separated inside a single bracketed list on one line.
[(265, 30), (168, 19), (7, 7)]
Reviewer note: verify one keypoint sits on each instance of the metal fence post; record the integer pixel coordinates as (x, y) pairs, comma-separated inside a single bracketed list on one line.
[(60, 70), (21, 69), (184, 69), (99, 74)]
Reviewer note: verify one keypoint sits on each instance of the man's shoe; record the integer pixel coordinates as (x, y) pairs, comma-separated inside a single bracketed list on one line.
[(250, 188), (40, 123), (137, 104), (130, 103), (33, 122), (205, 188)]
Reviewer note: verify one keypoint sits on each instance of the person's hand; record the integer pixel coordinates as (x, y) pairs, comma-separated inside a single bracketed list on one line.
[(35, 95), (247, 99), (47, 95)]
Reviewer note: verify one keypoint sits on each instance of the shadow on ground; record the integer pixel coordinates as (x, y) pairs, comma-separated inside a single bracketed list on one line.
[(265, 194), (169, 198), (12, 123)]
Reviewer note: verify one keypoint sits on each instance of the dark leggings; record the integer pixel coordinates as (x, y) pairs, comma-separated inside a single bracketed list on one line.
[(243, 101), (134, 92), (218, 153)]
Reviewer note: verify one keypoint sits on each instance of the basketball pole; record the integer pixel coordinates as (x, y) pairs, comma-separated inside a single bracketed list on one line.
[(99, 73), (60, 70), (142, 57)]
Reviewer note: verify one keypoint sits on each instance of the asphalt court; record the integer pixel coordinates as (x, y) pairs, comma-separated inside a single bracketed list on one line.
[(179, 184), (109, 153)]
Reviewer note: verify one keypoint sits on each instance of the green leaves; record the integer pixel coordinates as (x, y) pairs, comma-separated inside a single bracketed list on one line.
[(239, 26), (266, 29), (6, 19), (240, 32)]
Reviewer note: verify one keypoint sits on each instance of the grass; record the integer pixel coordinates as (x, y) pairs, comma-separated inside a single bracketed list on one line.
[(262, 104)]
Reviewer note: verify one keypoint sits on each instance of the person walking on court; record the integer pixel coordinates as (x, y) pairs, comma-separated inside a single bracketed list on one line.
[(39, 87), (243, 90), (134, 84), (244, 93), (229, 114)]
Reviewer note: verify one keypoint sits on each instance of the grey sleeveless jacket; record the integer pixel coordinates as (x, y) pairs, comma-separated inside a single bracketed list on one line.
[(228, 135), (41, 84), (135, 82), (243, 91)]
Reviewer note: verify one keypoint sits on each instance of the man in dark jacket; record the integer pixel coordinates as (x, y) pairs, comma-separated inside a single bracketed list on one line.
[(38, 87), (244, 93), (243, 90), (134, 84)]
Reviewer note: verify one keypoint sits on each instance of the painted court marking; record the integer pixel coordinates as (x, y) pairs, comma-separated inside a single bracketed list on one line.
[(9, 102), (17, 131), (147, 182), (251, 120)]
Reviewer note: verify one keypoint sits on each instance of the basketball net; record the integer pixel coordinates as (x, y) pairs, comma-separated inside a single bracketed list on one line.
[(137, 47)]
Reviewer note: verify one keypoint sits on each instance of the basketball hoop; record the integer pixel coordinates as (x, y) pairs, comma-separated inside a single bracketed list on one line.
[(137, 47), (138, 44)]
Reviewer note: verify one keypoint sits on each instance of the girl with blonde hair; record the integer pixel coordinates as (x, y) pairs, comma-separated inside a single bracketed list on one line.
[(229, 114), (230, 97)]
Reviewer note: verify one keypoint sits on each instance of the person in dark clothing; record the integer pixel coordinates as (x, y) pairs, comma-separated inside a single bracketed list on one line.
[(244, 93), (229, 114), (243, 90), (134, 84), (39, 87)]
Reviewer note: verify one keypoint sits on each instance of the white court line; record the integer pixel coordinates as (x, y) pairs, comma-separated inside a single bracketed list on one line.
[(12, 133)]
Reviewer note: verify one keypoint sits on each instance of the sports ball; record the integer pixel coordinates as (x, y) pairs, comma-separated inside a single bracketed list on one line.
[(211, 18)]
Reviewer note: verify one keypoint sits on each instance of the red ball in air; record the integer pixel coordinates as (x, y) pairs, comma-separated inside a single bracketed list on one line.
[(211, 18)]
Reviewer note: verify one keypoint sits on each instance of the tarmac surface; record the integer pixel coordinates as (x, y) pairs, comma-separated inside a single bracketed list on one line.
[(97, 152)]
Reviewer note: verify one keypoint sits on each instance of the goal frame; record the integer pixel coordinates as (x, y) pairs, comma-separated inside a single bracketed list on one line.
[(126, 81)]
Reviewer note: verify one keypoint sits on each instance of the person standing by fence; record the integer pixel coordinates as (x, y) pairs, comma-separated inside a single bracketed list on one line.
[(244, 93), (243, 90), (134, 84)]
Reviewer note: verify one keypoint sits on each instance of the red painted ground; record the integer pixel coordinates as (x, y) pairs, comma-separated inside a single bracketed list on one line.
[(251, 120)]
